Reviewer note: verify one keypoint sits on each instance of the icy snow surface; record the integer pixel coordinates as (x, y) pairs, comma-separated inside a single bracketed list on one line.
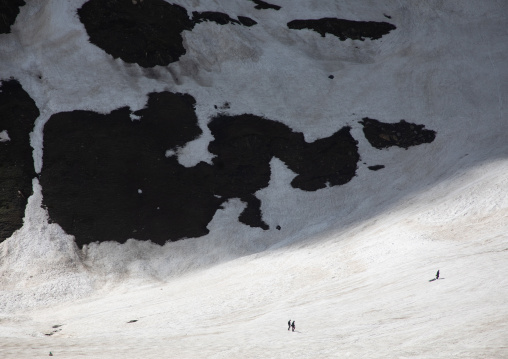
[(4, 136), (351, 264)]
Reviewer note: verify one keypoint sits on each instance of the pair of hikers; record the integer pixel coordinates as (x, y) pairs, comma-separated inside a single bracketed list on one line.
[(291, 325)]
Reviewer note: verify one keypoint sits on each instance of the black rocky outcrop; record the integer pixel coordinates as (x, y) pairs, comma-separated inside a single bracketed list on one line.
[(106, 177), (18, 113), (402, 134), (9, 10), (344, 29), (263, 5), (245, 144), (146, 32), (221, 18)]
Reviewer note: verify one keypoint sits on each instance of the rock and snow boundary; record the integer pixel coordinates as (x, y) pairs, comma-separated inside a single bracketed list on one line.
[(351, 263)]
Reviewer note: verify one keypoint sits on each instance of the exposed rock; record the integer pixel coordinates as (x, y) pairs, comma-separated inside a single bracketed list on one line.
[(376, 167), (106, 177), (263, 5), (18, 113), (95, 165), (252, 216), (221, 18), (147, 33), (246, 21), (403, 134), (246, 144), (344, 29), (9, 10)]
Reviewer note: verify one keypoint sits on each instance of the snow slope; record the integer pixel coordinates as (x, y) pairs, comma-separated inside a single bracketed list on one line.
[(352, 263)]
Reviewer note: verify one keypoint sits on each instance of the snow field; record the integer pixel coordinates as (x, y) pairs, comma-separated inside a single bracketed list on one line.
[(361, 293)]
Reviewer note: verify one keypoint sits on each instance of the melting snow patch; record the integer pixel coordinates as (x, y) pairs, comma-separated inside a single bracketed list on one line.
[(170, 153), (135, 117), (4, 136)]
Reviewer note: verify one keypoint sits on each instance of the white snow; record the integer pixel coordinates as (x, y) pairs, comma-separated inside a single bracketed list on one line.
[(351, 264), (4, 136)]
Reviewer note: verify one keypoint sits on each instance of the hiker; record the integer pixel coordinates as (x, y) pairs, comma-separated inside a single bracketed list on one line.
[(293, 325), (289, 324), (437, 274)]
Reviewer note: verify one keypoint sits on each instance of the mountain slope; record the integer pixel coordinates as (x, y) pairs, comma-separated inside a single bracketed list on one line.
[(349, 261)]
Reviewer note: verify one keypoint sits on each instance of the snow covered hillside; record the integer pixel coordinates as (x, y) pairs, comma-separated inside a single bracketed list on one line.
[(316, 161)]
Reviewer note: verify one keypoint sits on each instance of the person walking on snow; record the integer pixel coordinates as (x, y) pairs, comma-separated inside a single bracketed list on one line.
[(437, 274), (289, 324), (293, 325)]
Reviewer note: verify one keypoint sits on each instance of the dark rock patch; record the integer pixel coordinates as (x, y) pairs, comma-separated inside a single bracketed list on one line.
[(252, 216), (403, 134), (9, 10), (147, 33), (106, 177), (18, 113), (344, 29), (387, 16), (245, 144), (217, 17), (132, 321), (246, 21), (331, 77), (221, 18), (278, 228), (181, 127), (263, 5), (376, 167)]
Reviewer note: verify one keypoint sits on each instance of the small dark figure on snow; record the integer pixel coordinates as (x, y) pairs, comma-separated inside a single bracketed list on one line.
[(289, 324), (293, 325), (437, 274)]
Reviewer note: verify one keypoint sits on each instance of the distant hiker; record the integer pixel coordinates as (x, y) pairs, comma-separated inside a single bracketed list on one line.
[(437, 274), (293, 325), (289, 324)]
